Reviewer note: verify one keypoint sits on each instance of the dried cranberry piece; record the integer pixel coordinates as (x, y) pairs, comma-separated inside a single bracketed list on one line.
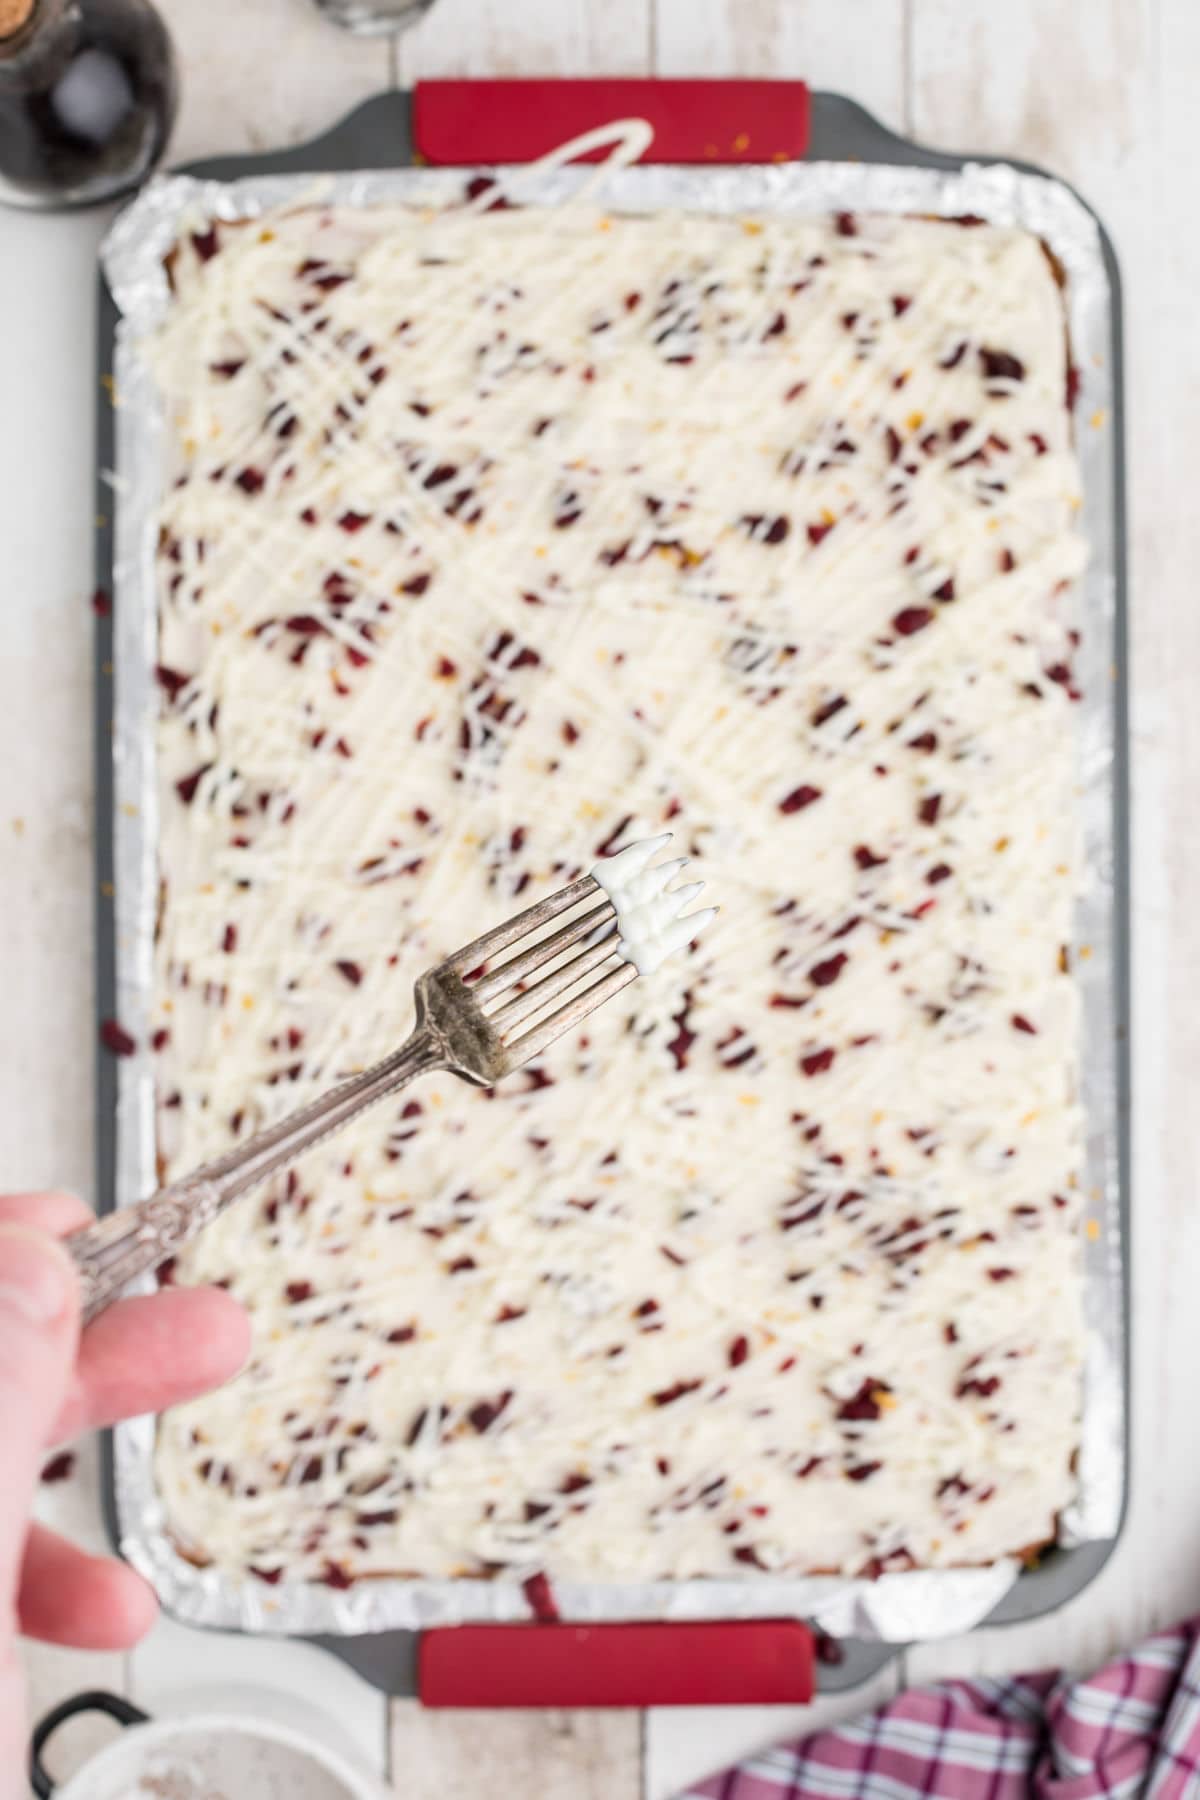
[(297, 1291), (823, 974), (926, 741), (160, 1039), (1074, 383), (815, 533), (402, 1334), (350, 971), (484, 1414), (746, 1553), (865, 1403), (817, 1062), (829, 709), (482, 184), (984, 1387), (1001, 365), (170, 680), (250, 480), (540, 1595), (114, 1037), (417, 585), (799, 798), (666, 1396), (863, 1471), (911, 619), (866, 858), (272, 1577), (847, 224), (767, 530), (229, 939), (939, 872), (684, 1038), (900, 304), (59, 1467), (739, 1350), (945, 593), (1020, 1023), (418, 1425), (186, 787), (575, 1482), (1002, 1274), (206, 243), (335, 1576)]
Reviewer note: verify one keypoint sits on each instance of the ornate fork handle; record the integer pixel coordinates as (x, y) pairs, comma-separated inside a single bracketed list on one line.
[(116, 1249)]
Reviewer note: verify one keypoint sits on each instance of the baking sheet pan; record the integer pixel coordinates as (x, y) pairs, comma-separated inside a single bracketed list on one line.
[(378, 136)]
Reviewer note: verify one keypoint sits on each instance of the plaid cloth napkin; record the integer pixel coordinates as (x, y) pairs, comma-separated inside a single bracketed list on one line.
[(1131, 1729)]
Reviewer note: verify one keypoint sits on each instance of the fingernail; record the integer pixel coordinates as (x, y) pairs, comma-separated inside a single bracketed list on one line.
[(36, 1278)]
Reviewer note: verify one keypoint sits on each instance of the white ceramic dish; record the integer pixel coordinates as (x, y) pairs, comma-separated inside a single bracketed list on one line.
[(210, 1756)]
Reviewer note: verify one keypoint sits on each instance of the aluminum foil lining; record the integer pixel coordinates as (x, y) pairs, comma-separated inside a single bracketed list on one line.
[(900, 1607)]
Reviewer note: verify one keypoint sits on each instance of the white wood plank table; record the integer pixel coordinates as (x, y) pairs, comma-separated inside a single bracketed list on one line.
[(1101, 93)]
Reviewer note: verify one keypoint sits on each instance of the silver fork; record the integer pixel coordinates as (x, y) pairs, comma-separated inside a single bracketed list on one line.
[(474, 1020)]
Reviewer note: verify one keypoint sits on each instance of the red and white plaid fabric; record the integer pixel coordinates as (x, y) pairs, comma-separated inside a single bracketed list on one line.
[(1132, 1729)]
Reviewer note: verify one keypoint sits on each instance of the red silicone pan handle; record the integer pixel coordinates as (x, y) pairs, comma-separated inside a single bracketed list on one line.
[(469, 122), (756, 1662)]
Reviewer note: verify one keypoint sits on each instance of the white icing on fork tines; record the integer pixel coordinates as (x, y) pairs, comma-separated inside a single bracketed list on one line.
[(650, 916)]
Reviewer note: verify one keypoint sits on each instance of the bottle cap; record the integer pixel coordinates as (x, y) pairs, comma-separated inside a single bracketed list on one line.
[(14, 14)]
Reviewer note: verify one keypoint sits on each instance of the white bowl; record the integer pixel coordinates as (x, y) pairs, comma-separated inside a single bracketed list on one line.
[(218, 1753)]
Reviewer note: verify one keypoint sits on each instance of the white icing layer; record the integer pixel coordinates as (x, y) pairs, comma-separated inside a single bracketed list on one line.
[(489, 543), (648, 909)]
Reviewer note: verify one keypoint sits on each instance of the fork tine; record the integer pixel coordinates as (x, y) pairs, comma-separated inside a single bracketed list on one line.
[(481, 948), (522, 1048), (544, 951), (534, 998)]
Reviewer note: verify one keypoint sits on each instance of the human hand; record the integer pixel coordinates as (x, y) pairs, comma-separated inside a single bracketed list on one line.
[(140, 1356)]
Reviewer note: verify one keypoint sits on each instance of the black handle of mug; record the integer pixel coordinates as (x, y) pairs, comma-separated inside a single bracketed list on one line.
[(123, 1711)]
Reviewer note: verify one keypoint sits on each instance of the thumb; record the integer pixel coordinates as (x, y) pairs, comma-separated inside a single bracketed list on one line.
[(39, 1331)]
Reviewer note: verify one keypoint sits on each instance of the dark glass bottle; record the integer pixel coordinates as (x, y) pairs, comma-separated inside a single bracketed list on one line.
[(87, 99)]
